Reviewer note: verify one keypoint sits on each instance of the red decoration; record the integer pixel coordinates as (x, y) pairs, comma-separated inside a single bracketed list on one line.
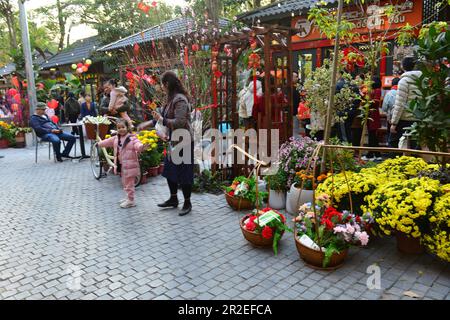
[(52, 104), (14, 107), (154, 4), (84, 68), (12, 92), (79, 65), (254, 61), (24, 84), (143, 7), (136, 49), (218, 74), (15, 82), (129, 75), (195, 47), (40, 86), (55, 119), (186, 55), (17, 98)]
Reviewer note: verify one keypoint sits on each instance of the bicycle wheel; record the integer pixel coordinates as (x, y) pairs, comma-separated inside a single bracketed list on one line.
[(96, 162), (137, 180)]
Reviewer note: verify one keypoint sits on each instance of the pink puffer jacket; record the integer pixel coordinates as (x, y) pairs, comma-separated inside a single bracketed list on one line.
[(128, 156)]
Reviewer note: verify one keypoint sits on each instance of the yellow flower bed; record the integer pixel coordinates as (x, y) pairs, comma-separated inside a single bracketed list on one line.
[(404, 206)]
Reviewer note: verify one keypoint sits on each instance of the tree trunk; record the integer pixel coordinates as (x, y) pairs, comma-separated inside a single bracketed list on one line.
[(7, 12), (212, 8), (62, 25), (68, 35)]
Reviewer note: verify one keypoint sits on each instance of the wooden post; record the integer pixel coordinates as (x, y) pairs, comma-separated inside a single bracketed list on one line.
[(332, 85)]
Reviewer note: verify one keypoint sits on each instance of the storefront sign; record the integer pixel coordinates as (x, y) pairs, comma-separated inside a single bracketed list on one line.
[(374, 19)]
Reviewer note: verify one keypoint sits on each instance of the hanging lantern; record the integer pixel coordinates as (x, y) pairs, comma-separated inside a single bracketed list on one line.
[(88, 62), (55, 119), (84, 68), (74, 66), (79, 65), (17, 98)]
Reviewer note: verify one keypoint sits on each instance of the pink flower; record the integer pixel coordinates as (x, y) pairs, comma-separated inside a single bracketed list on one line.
[(350, 228), (363, 237)]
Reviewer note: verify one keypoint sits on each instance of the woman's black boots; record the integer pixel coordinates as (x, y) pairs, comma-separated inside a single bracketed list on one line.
[(187, 207), (172, 202)]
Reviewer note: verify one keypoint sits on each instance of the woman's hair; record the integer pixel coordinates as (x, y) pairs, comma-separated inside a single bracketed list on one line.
[(124, 123), (395, 81), (174, 84), (113, 82)]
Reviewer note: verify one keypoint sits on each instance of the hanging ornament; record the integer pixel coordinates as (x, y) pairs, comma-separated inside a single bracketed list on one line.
[(55, 119), (15, 82), (52, 104), (88, 62), (74, 66), (40, 86), (136, 49), (25, 83), (84, 68), (79, 65), (17, 98), (80, 70), (253, 43), (129, 75), (142, 35), (195, 47), (143, 7)]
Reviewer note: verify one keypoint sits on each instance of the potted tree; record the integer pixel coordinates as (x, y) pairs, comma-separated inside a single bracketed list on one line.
[(277, 190)]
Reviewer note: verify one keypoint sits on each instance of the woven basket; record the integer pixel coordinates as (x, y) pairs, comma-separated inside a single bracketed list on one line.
[(255, 238), (91, 130), (238, 203), (314, 258)]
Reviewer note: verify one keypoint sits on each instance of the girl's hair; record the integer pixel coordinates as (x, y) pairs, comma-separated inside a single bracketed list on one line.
[(174, 84), (113, 82), (124, 123), (376, 82)]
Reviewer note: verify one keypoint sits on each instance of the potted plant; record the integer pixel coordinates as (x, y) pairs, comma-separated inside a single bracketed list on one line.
[(302, 190), (323, 235), (241, 194), (6, 135), (151, 157), (277, 189), (405, 207), (264, 228), (19, 133)]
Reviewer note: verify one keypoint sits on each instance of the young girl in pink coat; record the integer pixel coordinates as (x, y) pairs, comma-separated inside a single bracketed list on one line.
[(126, 157)]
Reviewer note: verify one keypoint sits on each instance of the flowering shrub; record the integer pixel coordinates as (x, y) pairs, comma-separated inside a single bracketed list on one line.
[(308, 180), (404, 206), (273, 226), (150, 157), (438, 240), (366, 181), (294, 155), (245, 188), (336, 231), (7, 132)]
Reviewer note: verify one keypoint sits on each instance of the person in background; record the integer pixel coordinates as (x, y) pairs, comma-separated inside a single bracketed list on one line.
[(81, 98), (295, 102), (374, 121), (88, 108), (401, 117), (48, 131), (72, 111), (388, 104), (303, 114)]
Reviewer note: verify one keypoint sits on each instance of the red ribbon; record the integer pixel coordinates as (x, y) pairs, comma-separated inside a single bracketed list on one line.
[(207, 107)]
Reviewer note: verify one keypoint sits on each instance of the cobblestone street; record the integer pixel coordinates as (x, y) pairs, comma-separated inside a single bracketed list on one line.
[(63, 236)]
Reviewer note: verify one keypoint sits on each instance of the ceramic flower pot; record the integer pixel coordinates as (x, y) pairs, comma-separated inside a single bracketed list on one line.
[(277, 199), (238, 203), (20, 140), (153, 171), (161, 168), (295, 199), (314, 258), (408, 244), (29, 139), (4, 143)]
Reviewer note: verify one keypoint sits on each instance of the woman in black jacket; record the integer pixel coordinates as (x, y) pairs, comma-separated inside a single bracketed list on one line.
[(176, 114)]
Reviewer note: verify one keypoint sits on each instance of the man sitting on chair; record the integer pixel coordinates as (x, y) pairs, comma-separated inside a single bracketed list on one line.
[(48, 131)]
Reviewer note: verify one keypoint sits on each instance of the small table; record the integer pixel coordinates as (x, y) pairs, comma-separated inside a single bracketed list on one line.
[(80, 131)]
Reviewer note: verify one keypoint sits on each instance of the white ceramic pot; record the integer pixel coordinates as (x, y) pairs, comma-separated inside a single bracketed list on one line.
[(295, 199), (29, 139), (277, 199)]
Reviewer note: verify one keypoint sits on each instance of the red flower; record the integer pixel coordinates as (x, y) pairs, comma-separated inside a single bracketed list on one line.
[(358, 219), (250, 226), (267, 232), (328, 224), (266, 209), (231, 193), (283, 219)]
